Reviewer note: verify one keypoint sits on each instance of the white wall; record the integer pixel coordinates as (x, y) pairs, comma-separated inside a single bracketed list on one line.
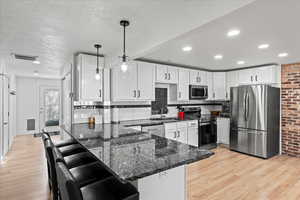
[(28, 101)]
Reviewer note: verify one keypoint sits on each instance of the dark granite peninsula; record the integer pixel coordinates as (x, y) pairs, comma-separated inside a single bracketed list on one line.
[(154, 164)]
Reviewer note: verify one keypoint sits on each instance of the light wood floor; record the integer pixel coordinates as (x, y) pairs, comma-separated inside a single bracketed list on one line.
[(226, 175)]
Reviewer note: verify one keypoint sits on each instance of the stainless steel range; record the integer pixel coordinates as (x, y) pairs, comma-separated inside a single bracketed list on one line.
[(207, 128)]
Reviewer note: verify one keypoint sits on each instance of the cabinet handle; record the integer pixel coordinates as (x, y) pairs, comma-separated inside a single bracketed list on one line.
[(139, 93), (226, 95), (251, 78), (166, 76), (178, 133), (134, 150), (255, 77), (169, 76), (134, 93), (199, 79), (179, 94), (175, 134), (100, 93)]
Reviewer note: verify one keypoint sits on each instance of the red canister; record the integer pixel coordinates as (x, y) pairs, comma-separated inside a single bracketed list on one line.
[(181, 115)]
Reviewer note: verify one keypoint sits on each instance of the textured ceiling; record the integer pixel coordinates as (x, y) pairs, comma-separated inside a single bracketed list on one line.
[(265, 21), (54, 30)]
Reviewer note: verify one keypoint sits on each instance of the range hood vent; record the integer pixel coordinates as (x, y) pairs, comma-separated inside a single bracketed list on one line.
[(25, 57)]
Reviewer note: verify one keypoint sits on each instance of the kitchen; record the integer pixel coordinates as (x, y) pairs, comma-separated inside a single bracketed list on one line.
[(198, 109)]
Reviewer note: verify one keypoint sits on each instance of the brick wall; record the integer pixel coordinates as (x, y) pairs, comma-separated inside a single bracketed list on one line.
[(290, 97)]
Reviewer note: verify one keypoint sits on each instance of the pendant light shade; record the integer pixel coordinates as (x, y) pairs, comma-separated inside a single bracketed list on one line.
[(97, 75), (124, 66)]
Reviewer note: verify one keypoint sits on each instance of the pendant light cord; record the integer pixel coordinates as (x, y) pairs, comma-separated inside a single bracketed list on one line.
[(97, 59), (124, 44)]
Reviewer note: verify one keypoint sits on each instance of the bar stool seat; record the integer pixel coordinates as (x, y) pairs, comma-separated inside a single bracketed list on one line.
[(78, 159), (109, 189), (89, 173), (65, 143), (71, 149)]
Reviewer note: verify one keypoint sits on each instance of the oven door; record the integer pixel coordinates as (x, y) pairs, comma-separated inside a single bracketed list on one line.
[(198, 92)]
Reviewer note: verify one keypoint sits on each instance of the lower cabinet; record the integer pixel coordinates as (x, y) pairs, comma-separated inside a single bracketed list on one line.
[(223, 130), (166, 185), (177, 131)]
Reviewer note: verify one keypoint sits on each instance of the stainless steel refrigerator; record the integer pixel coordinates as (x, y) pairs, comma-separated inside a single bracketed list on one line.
[(255, 120)]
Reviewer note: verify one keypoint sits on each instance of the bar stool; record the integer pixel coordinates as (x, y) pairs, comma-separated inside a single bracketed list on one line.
[(109, 188), (46, 135)]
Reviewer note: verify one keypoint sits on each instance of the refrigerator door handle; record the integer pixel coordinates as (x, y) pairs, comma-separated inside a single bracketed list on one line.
[(248, 105), (245, 107)]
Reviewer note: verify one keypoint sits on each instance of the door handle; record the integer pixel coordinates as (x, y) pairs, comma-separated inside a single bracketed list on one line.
[(139, 93), (134, 93)]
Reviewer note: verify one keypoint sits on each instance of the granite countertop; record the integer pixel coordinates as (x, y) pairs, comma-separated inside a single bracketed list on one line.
[(131, 154)]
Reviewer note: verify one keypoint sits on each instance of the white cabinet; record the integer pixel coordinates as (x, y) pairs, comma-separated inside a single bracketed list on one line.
[(193, 134), (176, 131), (198, 77), (219, 83), (223, 130), (231, 81), (89, 89), (260, 75), (166, 185), (146, 85), (183, 85), (166, 74), (137, 83), (210, 86)]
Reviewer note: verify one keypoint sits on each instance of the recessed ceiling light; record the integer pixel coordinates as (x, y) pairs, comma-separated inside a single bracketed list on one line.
[(282, 55), (218, 57), (187, 48), (263, 46), (36, 73), (241, 62), (36, 62), (233, 32)]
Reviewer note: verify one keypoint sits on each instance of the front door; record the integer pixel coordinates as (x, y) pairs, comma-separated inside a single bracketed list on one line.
[(49, 108)]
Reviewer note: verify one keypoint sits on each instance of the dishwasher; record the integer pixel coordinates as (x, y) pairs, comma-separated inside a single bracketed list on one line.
[(155, 130)]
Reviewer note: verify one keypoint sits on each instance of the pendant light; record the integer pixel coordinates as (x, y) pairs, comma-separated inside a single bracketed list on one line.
[(124, 65), (97, 75)]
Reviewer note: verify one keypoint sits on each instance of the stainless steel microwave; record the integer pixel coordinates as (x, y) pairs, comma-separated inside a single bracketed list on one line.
[(198, 92)]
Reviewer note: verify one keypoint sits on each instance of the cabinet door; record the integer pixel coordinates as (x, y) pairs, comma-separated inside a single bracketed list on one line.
[(245, 76), (193, 136), (146, 85), (183, 85), (90, 88), (210, 86), (171, 130), (124, 84), (219, 85), (161, 73), (172, 75), (264, 75), (182, 135), (231, 81), (198, 77)]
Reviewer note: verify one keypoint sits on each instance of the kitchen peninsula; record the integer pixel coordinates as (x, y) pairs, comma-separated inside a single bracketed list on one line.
[(154, 164)]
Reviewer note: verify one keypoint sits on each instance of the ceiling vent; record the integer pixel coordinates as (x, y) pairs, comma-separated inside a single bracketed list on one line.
[(25, 57)]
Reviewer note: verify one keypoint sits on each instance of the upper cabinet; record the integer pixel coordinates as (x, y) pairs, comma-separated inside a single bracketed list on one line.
[(219, 85), (88, 88), (137, 83), (183, 85), (166, 74), (198, 77), (231, 81), (261, 75), (210, 85)]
